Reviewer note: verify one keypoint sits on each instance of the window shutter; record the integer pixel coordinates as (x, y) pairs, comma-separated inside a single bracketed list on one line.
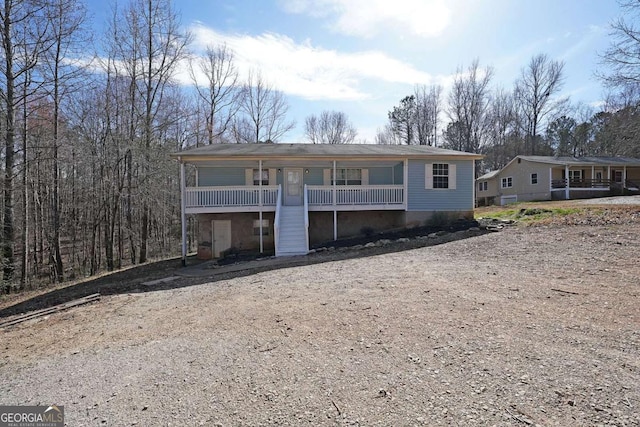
[(248, 177), (326, 177), (273, 177), (365, 176), (452, 176), (428, 176)]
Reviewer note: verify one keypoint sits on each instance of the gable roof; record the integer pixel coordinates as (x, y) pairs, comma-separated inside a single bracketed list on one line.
[(489, 175), (320, 151)]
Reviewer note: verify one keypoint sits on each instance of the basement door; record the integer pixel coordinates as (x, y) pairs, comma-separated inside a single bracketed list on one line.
[(220, 237)]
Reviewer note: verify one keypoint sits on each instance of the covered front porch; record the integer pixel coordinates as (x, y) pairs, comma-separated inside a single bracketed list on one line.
[(584, 181), (319, 198), (290, 189)]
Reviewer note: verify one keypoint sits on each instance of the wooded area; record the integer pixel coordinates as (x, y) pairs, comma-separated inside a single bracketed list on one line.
[(88, 122), (529, 119)]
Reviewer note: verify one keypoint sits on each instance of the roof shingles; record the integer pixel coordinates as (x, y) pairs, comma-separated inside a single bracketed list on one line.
[(319, 150)]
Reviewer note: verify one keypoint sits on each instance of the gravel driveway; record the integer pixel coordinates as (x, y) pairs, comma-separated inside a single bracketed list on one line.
[(615, 200), (529, 326)]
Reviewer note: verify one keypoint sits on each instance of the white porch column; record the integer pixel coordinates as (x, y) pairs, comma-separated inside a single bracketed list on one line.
[(473, 192), (183, 215), (566, 188), (624, 176), (609, 177), (593, 174), (551, 179), (260, 202), (335, 211), (405, 185)]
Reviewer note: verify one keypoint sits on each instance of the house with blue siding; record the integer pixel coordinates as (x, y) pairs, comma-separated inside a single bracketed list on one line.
[(284, 198)]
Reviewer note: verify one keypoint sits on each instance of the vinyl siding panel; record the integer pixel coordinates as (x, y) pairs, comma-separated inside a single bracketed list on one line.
[(458, 199), (521, 180), (380, 176), (226, 176), (314, 177), (215, 177), (398, 174)]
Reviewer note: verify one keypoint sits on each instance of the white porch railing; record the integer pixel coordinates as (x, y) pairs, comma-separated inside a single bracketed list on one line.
[(306, 215), (236, 196), (356, 195)]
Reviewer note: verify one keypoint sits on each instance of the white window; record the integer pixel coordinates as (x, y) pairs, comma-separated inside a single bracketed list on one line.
[(265, 177), (575, 175), (265, 227), (440, 176), (482, 186), (348, 177), (534, 178), (507, 182)]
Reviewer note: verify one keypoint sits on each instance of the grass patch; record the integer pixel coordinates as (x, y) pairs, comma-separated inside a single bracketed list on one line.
[(530, 214), (505, 214)]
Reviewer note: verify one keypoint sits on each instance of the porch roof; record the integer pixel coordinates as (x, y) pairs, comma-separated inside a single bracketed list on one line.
[(317, 151), (583, 161), (488, 175)]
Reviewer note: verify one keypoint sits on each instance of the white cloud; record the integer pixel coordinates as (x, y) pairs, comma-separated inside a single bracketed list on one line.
[(366, 18), (307, 71)]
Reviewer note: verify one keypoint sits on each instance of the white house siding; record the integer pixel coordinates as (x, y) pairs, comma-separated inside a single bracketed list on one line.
[(521, 179)]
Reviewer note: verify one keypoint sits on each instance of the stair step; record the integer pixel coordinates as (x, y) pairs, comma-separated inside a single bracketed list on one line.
[(291, 237)]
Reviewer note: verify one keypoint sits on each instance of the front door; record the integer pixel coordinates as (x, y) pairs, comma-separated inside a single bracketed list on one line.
[(293, 187), (220, 237)]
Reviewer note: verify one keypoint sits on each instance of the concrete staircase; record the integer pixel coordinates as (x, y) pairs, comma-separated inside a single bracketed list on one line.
[(292, 236)]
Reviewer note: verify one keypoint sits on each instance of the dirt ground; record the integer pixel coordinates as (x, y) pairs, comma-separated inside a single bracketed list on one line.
[(533, 325)]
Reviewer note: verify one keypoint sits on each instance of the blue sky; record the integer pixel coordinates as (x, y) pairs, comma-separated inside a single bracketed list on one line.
[(362, 56)]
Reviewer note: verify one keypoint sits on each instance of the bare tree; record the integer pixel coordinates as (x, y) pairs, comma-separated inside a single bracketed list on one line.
[(534, 92), (152, 46), (618, 127), (68, 37), (220, 93), (502, 125), (428, 107), (265, 112), (623, 56), (386, 136), (331, 127), (22, 35), (583, 135), (468, 105)]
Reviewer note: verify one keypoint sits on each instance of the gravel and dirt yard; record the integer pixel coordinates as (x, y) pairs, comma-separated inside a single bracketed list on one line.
[(538, 324)]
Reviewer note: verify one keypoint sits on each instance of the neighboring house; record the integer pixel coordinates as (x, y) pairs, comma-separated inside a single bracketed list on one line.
[(283, 198), (527, 178)]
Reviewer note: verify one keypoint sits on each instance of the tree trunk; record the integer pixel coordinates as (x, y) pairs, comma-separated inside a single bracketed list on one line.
[(8, 231), (24, 270)]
